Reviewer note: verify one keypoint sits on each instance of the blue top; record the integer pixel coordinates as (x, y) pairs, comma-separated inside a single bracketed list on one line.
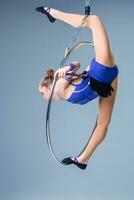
[(82, 93)]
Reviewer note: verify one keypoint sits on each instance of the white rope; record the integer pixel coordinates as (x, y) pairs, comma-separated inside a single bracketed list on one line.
[(87, 2)]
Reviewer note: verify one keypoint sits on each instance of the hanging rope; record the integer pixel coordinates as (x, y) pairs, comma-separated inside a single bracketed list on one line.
[(69, 45), (87, 8), (87, 13), (87, 2)]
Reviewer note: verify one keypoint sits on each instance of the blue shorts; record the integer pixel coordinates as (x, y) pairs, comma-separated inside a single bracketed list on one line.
[(103, 73)]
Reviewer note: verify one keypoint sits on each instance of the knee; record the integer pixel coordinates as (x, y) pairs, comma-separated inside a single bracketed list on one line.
[(103, 127), (103, 123), (91, 20)]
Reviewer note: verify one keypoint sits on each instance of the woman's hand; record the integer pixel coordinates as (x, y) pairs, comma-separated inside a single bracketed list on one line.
[(61, 73)]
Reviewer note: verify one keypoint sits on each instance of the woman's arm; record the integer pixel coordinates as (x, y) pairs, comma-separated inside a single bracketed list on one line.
[(63, 82), (68, 69)]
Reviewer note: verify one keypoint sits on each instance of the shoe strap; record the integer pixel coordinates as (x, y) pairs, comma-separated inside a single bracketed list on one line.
[(75, 159), (48, 9)]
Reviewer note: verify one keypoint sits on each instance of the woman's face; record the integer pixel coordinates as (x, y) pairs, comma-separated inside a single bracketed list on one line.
[(45, 91)]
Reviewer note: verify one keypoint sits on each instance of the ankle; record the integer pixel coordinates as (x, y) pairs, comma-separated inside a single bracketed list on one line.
[(53, 12), (82, 160)]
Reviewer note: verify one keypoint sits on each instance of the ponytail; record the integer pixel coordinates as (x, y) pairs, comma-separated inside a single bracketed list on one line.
[(47, 79)]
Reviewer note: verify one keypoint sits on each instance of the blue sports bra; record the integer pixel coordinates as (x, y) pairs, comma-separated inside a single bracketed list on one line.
[(82, 93)]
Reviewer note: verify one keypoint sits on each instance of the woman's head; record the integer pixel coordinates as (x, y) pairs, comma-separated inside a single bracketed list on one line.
[(46, 83)]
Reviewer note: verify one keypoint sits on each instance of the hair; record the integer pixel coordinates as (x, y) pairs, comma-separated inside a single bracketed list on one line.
[(47, 79)]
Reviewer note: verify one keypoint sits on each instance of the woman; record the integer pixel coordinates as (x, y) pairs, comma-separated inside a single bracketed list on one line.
[(99, 80)]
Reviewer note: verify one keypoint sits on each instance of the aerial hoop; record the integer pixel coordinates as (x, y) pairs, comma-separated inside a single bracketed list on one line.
[(67, 54)]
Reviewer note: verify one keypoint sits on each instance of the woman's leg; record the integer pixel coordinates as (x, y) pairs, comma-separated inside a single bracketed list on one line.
[(104, 116), (103, 52)]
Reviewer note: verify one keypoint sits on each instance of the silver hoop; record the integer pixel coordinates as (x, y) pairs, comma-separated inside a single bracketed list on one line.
[(48, 132)]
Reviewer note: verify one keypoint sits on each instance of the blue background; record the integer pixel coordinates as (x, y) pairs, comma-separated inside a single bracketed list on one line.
[(29, 45)]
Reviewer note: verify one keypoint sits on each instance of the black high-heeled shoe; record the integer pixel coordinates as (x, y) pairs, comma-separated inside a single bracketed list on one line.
[(46, 11), (69, 161)]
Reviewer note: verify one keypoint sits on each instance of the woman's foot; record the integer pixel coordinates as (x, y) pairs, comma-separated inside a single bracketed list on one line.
[(47, 12), (74, 161)]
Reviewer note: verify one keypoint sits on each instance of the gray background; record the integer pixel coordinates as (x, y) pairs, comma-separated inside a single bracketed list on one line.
[(28, 45)]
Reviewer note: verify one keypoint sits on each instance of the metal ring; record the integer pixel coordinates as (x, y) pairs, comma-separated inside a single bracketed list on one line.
[(48, 132)]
